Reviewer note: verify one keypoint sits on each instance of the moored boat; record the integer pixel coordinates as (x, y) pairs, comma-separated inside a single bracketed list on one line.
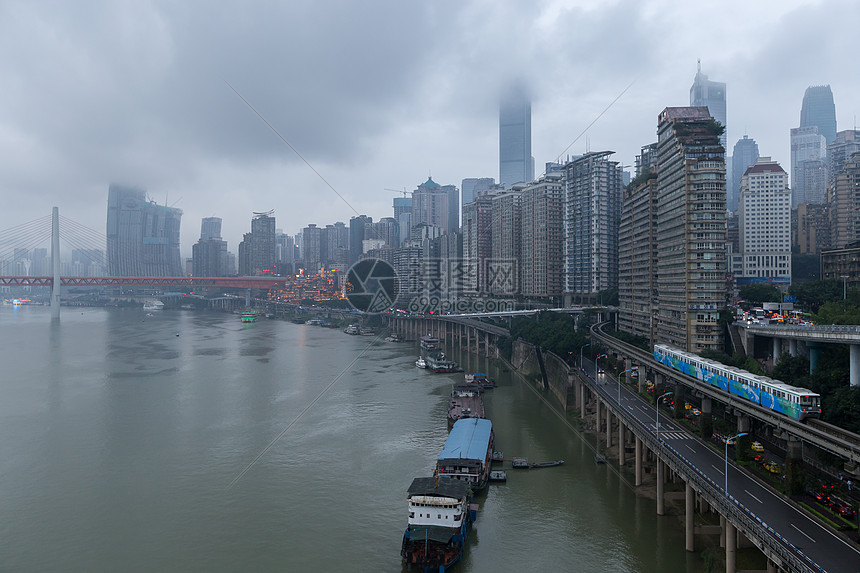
[(481, 380), (352, 329), (440, 515), (468, 452), (429, 342), (465, 402), (153, 305), (420, 363), (393, 337), (437, 362)]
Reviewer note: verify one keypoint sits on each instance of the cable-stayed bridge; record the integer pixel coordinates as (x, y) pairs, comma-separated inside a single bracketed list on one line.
[(24, 258)]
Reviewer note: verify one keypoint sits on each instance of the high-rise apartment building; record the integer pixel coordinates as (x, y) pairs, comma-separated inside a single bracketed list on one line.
[(209, 258), (637, 258), (765, 224), (359, 229), (846, 144), (819, 110), (810, 229), (477, 242), (312, 238), (507, 241), (142, 236), (473, 186), (691, 229), (516, 164), (258, 250), (592, 210), (744, 154), (808, 166), (845, 204), (542, 213), (710, 94), (436, 205), (403, 216), (210, 228)]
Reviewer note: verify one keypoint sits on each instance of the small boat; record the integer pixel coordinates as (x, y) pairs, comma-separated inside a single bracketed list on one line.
[(481, 380), (420, 363), (498, 476), (153, 305), (547, 464), (520, 463), (351, 329), (393, 337), (249, 316)]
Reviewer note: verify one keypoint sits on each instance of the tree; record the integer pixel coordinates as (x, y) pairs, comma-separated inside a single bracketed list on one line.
[(760, 293), (812, 294)]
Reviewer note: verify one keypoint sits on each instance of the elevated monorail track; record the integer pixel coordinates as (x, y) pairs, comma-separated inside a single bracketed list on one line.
[(815, 432)]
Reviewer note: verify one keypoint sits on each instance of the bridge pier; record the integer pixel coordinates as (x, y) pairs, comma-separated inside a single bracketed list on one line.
[(792, 347), (854, 376), (621, 443), (661, 506), (731, 536), (638, 461), (777, 349), (690, 513), (814, 355)]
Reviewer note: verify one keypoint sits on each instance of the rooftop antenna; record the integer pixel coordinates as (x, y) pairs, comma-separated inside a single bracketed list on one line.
[(699, 65)]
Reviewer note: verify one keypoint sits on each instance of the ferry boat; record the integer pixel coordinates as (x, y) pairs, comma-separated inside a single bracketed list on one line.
[(465, 402), (429, 342), (468, 452), (440, 515), (249, 316), (351, 329), (153, 305), (420, 363)]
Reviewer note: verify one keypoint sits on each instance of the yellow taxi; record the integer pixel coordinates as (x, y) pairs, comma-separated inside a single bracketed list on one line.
[(773, 467), (757, 447)]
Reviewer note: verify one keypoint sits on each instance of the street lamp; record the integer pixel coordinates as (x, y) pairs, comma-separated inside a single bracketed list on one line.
[(581, 348), (735, 437), (658, 413)]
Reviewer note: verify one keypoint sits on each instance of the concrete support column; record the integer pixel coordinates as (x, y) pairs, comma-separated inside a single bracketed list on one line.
[(608, 427), (722, 531), (777, 348), (792, 347), (854, 362), (638, 462), (598, 426), (814, 355), (707, 406), (660, 487), (621, 443), (771, 567), (690, 508), (582, 400), (743, 424), (731, 548)]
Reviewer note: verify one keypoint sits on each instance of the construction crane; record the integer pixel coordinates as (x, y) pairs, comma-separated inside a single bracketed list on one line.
[(404, 191)]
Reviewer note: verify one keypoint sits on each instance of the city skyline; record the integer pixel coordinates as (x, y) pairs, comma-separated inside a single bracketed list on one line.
[(148, 107)]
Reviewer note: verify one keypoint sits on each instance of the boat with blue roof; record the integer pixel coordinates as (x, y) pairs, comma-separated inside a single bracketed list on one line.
[(468, 452)]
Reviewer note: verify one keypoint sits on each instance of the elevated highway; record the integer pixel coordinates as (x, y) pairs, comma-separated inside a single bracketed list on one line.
[(844, 444)]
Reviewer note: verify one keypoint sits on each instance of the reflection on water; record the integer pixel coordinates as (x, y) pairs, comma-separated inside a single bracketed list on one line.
[(123, 434)]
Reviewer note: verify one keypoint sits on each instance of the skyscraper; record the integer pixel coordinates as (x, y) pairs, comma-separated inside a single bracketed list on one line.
[(516, 164), (691, 229), (819, 110), (142, 236), (542, 210), (432, 205), (358, 231), (744, 154), (471, 187), (477, 241), (712, 95)]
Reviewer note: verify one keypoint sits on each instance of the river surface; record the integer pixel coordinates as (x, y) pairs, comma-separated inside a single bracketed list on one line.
[(186, 441)]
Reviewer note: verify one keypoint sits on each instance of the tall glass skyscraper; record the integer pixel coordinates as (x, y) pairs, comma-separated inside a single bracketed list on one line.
[(819, 110), (704, 92), (744, 154), (142, 236), (516, 164)]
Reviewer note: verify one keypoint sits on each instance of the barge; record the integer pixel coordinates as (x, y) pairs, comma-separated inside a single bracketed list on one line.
[(465, 402)]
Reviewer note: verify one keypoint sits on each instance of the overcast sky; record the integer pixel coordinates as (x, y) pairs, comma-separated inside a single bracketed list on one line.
[(374, 94)]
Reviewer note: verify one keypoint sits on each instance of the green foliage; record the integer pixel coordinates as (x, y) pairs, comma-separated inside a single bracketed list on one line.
[(555, 332), (635, 340), (760, 293), (608, 297), (812, 294), (842, 312), (637, 181)]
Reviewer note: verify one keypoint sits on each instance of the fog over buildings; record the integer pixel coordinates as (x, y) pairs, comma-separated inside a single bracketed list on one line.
[(373, 96)]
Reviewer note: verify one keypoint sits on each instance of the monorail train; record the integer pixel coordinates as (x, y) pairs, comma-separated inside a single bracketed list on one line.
[(797, 403)]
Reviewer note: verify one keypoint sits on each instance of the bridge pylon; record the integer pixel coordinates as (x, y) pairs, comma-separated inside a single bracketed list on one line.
[(55, 264)]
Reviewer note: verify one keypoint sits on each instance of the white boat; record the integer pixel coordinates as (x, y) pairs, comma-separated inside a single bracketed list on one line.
[(420, 363), (153, 305)]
